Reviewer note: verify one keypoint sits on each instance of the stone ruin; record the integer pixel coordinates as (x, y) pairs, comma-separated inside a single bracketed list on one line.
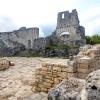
[(12, 42), (68, 32), (5, 64), (28, 38), (68, 29), (80, 66)]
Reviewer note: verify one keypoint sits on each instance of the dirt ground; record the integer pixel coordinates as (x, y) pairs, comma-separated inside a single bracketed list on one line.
[(16, 82)]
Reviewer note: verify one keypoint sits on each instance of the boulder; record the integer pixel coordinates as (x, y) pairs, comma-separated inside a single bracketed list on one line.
[(93, 85), (5, 64), (68, 90)]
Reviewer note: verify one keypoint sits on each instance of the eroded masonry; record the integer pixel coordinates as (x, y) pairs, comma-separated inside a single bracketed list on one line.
[(80, 66), (68, 28), (68, 32), (11, 42)]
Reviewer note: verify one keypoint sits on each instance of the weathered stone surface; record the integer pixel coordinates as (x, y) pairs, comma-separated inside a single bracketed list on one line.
[(39, 46), (93, 85), (12, 42), (69, 22), (78, 67), (4, 64), (67, 90)]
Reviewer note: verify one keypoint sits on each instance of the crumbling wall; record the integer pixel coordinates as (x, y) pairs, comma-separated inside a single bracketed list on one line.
[(12, 42), (24, 36), (5, 64), (88, 61), (50, 75), (69, 23), (80, 66)]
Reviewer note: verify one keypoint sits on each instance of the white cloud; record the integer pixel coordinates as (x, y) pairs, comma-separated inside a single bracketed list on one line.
[(90, 18), (39, 13)]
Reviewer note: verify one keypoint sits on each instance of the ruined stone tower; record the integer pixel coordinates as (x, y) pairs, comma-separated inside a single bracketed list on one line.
[(68, 28)]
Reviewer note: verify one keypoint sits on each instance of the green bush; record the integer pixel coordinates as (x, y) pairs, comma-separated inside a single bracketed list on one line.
[(95, 39), (64, 47)]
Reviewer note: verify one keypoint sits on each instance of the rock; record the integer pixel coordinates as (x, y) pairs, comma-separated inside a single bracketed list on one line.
[(67, 90), (4, 64), (93, 85), (85, 48)]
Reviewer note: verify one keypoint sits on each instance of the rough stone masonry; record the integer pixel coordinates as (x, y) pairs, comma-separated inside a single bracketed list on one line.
[(11, 42), (68, 28), (85, 62), (68, 32)]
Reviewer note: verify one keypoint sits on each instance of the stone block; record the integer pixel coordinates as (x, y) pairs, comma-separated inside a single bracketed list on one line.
[(63, 75), (4, 64), (81, 75), (56, 81), (64, 69), (72, 75), (48, 77), (92, 53), (48, 81), (83, 65), (57, 68), (81, 70), (37, 89), (85, 59), (44, 89), (46, 84), (44, 68)]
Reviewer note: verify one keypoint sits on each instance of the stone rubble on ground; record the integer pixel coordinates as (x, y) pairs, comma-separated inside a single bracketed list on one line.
[(5, 64), (77, 89)]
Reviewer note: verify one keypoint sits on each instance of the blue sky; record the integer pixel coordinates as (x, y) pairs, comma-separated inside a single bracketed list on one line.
[(43, 14)]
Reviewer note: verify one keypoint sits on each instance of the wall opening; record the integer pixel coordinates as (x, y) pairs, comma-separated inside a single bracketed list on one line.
[(64, 33), (29, 44), (63, 16)]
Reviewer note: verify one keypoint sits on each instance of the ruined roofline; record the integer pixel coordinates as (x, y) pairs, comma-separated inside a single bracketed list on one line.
[(73, 11), (22, 29)]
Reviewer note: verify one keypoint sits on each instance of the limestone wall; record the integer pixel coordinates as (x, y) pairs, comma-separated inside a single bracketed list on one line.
[(52, 74), (23, 36), (88, 61)]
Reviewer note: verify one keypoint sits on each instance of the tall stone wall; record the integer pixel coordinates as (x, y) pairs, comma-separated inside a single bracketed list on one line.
[(24, 36), (50, 75)]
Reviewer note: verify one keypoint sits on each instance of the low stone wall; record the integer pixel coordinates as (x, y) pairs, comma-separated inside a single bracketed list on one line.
[(52, 74), (4, 64)]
